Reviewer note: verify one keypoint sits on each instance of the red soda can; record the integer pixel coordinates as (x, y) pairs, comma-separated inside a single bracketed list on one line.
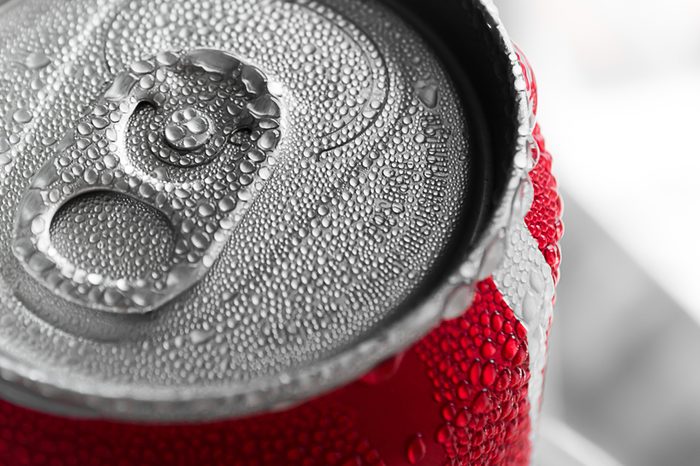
[(270, 232)]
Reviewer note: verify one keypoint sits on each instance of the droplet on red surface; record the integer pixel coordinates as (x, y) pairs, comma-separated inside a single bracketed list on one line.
[(488, 375), (510, 349), (481, 403), (448, 411), (383, 371), (416, 449)]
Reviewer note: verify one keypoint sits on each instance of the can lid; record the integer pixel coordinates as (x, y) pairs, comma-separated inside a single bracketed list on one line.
[(213, 209)]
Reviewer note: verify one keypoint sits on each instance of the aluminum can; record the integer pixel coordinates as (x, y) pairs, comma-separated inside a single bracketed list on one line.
[(270, 232)]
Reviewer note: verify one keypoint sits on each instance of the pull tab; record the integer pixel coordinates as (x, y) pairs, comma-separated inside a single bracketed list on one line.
[(137, 206)]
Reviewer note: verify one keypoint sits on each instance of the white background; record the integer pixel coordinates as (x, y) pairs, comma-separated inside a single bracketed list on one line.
[(620, 106)]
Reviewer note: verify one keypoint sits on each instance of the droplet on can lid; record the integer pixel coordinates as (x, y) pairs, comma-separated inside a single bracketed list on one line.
[(22, 116), (37, 60)]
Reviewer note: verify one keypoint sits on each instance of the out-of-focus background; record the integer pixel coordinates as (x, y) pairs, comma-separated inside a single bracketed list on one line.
[(620, 105)]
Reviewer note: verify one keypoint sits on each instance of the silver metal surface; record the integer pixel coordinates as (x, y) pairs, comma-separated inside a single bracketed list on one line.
[(215, 209)]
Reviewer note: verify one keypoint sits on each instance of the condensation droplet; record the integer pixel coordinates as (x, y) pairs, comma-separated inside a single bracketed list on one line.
[(416, 450)]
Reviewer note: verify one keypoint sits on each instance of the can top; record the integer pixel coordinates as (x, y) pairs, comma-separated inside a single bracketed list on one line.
[(212, 209)]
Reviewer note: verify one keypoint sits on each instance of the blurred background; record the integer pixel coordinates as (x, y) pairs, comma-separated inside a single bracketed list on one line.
[(620, 103)]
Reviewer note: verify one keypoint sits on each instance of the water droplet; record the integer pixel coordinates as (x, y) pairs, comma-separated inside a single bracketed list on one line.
[(199, 337), (416, 450), (22, 116), (427, 91), (384, 371), (458, 301), (37, 60)]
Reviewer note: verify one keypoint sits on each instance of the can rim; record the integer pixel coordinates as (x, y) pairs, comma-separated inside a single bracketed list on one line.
[(78, 398)]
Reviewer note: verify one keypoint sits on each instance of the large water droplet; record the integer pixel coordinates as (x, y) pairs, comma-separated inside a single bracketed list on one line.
[(416, 450)]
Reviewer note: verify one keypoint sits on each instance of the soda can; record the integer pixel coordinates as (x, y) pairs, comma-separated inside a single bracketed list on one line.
[(270, 232)]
